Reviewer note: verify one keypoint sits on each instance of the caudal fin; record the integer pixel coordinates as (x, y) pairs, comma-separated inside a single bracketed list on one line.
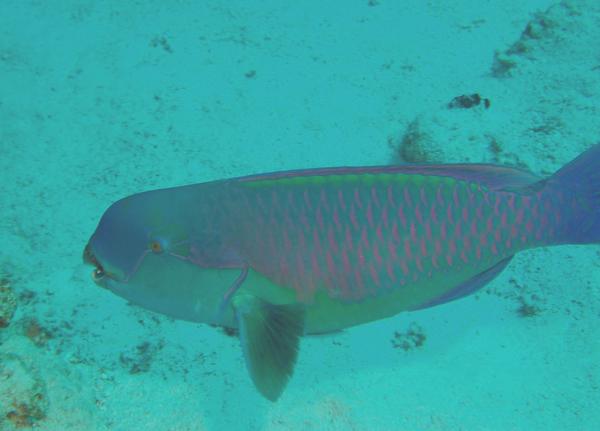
[(579, 184)]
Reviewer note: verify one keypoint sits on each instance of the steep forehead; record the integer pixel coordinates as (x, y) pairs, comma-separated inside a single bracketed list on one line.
[(122, 234)]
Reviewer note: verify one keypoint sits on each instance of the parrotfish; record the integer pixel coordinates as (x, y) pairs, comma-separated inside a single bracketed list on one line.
[(280, 255)]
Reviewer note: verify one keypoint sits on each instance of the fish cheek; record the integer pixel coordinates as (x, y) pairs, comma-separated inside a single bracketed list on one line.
[(177, 288), (155, 275)]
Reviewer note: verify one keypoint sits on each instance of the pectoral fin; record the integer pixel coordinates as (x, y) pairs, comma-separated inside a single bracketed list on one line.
[(270, 336)]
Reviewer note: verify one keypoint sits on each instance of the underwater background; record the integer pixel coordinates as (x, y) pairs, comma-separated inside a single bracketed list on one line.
[(100, 100)]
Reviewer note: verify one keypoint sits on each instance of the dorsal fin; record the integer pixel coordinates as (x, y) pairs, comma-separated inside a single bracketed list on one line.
[(493, 177)]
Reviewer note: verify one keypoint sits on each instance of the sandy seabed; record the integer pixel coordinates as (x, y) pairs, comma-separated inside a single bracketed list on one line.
[(102, 100)]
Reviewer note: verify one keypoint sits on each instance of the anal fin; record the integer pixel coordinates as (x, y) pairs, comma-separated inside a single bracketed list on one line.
[(468, 287)]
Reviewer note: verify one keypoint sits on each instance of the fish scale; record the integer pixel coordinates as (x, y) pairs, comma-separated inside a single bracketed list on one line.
[(366, 237)]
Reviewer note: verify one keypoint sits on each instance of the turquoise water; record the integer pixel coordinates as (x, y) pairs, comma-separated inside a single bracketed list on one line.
[(100, 100)]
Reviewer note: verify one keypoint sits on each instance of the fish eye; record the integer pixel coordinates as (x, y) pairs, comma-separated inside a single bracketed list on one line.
[(156, 247)]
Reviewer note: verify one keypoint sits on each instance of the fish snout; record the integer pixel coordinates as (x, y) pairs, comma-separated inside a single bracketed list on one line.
[(89, 257)]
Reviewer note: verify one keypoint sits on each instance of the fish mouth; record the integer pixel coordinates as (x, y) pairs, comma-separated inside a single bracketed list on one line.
[(88, 257)]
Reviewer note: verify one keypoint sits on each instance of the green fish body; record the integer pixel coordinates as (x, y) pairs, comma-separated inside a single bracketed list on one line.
[(280, 255)]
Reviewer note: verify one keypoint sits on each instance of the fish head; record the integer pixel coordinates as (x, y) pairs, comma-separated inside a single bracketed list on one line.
[(142, 250), (118, 245)]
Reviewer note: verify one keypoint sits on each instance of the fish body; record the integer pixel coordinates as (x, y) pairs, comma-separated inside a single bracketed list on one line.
[(285, 254)]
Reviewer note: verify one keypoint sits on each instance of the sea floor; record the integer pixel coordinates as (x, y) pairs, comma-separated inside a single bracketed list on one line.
[(100, 100)]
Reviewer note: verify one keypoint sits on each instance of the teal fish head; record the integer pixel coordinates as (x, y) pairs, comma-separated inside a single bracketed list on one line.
[(141, 252), (127, 238), (119, 244)]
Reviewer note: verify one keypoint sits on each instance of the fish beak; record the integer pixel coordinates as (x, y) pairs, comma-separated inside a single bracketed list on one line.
[(88, 257)]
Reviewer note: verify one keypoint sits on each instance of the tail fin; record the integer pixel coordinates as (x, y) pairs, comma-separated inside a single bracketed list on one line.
[(579, 183)]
